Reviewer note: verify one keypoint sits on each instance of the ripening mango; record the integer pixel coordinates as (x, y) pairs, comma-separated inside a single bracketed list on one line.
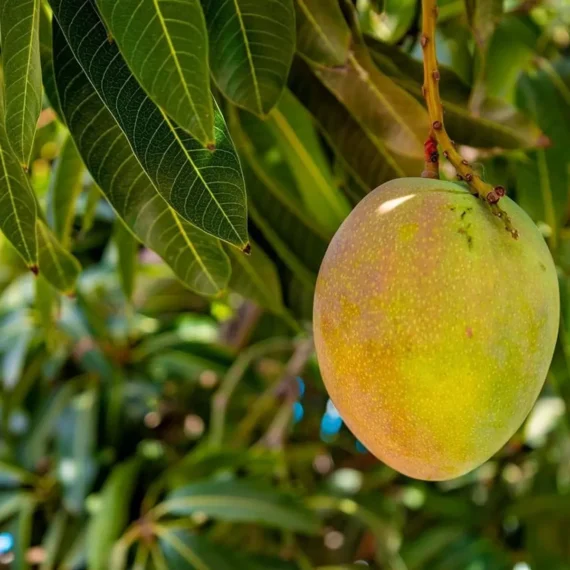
[(434, 327)]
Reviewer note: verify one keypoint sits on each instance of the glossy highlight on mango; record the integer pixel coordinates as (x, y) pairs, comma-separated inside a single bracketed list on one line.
[(434, 328)]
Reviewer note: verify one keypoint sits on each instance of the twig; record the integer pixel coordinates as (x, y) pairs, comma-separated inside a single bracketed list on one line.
[(430, 89), (232, 378), (288, 390), (236, 332)]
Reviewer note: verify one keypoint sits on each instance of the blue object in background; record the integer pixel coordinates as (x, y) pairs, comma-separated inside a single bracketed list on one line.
[(301, 383), (298, 412), (6, 542), (360, 447), (330, 425)]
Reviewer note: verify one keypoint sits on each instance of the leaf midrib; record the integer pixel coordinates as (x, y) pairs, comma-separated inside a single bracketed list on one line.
[(249, 57), (179, 69), (31, 258)]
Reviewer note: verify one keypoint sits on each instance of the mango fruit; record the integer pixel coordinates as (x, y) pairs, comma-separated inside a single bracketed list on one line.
[(434, 328)]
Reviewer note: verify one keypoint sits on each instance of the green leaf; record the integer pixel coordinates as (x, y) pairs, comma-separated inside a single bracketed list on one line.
[(185, 551), (46, 57), (255, 277), (53, 540), (65, 188), (483, 16), (10, 504), (112, 515), (57, 265), (77, 443), (19, 24), (127, 249), (396, 19), (17, 204), (498, 124), (292, 125), (363, 155), (13, 476), (204, 186), (543, 178), (381, 106), (323, 35), (299, 242), (45, 423), (196, 258), (92, 201), (165, 44), (22, 533), (251, 48), (242, 501)]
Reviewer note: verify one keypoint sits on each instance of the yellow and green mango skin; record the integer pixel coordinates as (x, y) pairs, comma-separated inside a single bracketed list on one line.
[(434, 327)]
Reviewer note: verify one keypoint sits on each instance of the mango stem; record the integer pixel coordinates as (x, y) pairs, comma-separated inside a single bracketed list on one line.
[(430, 90)]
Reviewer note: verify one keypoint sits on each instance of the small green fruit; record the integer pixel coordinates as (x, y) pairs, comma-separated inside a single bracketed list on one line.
[(434, 327)]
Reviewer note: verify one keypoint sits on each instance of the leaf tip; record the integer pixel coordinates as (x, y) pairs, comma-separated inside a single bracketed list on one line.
[(247, 249), (34, 269)]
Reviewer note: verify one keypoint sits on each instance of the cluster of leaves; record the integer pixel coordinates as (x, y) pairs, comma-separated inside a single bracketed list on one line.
[(148, 371)]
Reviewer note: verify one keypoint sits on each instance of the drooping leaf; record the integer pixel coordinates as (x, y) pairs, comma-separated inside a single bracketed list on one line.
[(17, 204), (112, 513), (299, 242), (46, 58), (255, 277), (92, 201), (498, 124), (166, 46), (242, 501), (127, 248), (363, 155), (251, 49), (381, 106), (543, 178), (298, 140), (19, 22), (196, 258), (56, 264), (66, 185), (204, 186), (323, 35)]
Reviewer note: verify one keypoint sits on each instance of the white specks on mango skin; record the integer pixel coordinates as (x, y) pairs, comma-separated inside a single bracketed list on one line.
[(434, 328)]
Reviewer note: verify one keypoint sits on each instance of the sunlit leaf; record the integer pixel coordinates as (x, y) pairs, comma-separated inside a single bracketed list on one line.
[(196, 258), (381, 106), (323, 35), (46, 58), (299, 242), (204, 186), (112, 514), (251, 48), (166, 46), (242, 501), (298, 140), (363, 155), (19, 22)]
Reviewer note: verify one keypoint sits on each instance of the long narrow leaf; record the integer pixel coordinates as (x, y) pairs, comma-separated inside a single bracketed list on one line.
[(251, 48), (204, 186), (196, 258), (166, 46), (19, 24)]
